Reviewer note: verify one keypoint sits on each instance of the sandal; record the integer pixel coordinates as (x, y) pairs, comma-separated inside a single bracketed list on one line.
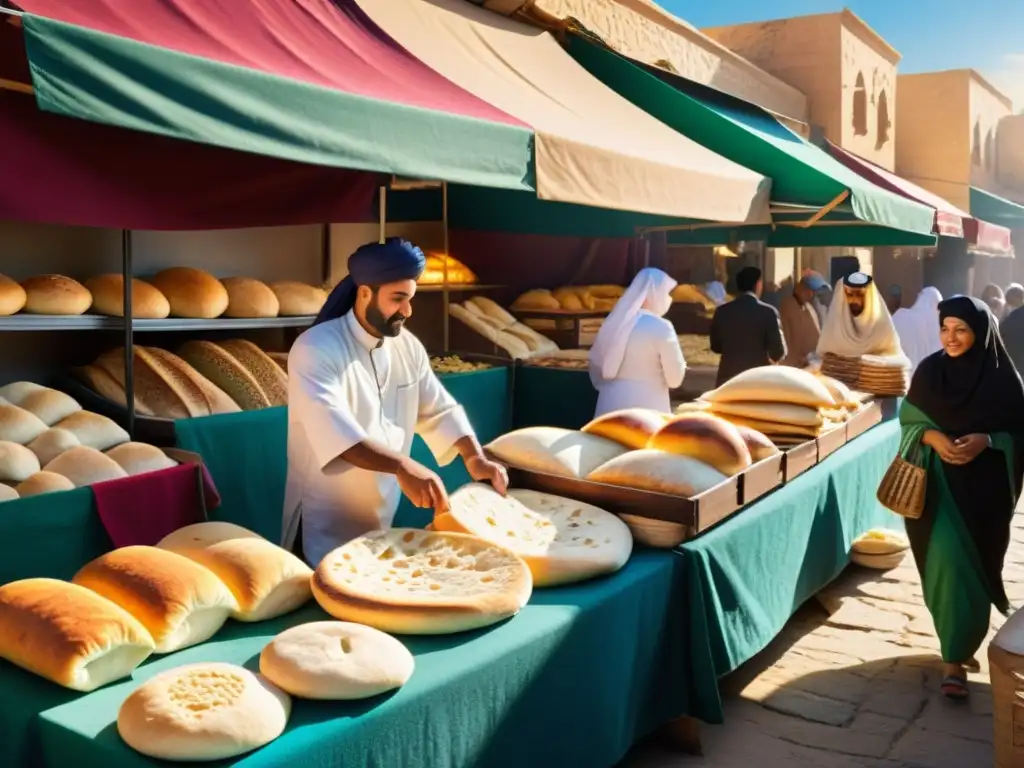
[(954, 687)]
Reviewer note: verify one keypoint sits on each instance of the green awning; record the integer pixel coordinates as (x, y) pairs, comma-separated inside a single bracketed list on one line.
[(803, 176), (996, 210)]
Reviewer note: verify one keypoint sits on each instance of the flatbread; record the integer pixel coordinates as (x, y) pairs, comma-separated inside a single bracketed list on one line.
[(781, 413), (774, 384), (554, 451), (660, 472)]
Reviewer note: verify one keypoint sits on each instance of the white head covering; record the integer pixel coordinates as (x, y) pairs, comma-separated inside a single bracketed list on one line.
[(872, 333), (650, 290), (918, 326)]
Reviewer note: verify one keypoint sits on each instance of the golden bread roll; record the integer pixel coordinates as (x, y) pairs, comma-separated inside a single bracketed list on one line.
[(180, 602), (12, 297), (226, 372), (657, 534), (108, 298), (782, 413), (94, 430), (265, 580), (571, 299), (192, 292), (758, 444), (881, 541), (774, 384), (298, 299), (48, 405), (414, 582), (18, 425), (707, 439), (186, 380), (52, 443), (203, 712), (68, 634), (7, 493), (538, 299), (84, 466), (140, 458), (336, 661), (43, 482), (605, 305), (631, 427), (249, 298), (650, 470), (614, 292), (492, 309), (55, 295), (268, 374), (554, 451), (434, 271), (17, 463)]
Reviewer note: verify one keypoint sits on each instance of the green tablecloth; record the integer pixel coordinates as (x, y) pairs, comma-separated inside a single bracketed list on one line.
[(572, 680), (745, 578)]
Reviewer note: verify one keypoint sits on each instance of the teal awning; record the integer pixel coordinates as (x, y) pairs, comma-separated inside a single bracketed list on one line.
[(995, 209)]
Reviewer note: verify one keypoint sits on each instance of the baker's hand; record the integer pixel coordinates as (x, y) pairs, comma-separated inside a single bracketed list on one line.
[(969, 447), (483, 470), (422, 487)]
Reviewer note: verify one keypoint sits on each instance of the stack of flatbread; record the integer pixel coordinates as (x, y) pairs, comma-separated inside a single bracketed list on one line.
[(491, 321), (887, 376)]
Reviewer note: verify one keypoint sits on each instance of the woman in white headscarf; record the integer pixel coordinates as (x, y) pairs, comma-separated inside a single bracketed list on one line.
[(636, 358), (918, 326)]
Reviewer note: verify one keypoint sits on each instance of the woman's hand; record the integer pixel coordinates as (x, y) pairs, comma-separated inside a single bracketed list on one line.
[(969, 447), (942, 445)]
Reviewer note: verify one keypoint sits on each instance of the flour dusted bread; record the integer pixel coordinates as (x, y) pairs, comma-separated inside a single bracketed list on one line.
[(55, 295), (226, 372), (775, 384), (782, 413), (298, 299), (140, 458), (336, 660), (758, 444), (707, 439), (17, 462), (630, 427), (192, 292), (180, 602), (148, 303), (651, 470), (68, 634), (421, 582), (84, 466), (249, 298), (18, 425), (12, 297), (561, 540), (43, 482), (268, 374), (491, 308), (554, 451), (202, 712), (265, 580), (52, 443), (94, 430)]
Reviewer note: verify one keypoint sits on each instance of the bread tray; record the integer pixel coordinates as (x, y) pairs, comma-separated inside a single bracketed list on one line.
[(863, 420), (696, 514), (798, 459), (761, 478), (831, 441), (148, 429)]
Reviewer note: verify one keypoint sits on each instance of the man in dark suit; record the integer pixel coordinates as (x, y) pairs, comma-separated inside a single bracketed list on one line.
[(746, 332)]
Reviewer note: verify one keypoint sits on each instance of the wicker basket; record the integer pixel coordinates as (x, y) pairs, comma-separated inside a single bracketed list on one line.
[(1006, 671), (902, 490)]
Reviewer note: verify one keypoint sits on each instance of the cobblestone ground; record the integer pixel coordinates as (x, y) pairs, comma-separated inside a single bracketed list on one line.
[(852, 682)]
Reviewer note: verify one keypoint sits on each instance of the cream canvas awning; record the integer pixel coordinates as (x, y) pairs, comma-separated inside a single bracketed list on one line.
[(593, 147)]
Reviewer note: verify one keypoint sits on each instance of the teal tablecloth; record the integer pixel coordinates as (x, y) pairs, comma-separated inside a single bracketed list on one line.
[(552, 397), (744, 579), (573, 680)]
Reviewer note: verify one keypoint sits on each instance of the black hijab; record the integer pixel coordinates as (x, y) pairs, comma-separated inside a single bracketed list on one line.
[(979, 391)]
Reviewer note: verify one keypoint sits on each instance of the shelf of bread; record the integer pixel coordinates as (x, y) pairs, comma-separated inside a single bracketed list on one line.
[(491, 322)]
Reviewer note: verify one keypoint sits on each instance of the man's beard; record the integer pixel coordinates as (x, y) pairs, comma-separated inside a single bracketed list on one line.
[(856, 309), (385, 326)]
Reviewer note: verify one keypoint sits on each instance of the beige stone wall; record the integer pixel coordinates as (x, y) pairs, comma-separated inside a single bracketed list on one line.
[(1010, 144), (987, 108), (868, 99)]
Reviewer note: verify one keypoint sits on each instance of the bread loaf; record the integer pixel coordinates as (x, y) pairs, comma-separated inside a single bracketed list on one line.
[(268, 374), (107, 387), (606, 291), (84, 466), (758, 444), (774, 384), (661, 472), (657, 534), (421, 583), (707, 439), (265, 580), (881, 541), (513, 345), (631, 427), (777, 429), (17, 462), (572, 299), (55, 295), (249, 298), (108, 298), (196, 390), (18, 425), (225, 372), (538, 300), (561, 540), (192, 292), (7, 493), (281, 358), (202, 712), (434, 272), (336, 660), (781, 413), (491, 308), (52, 443), (12, 297), (48, 405), (538, 344), (139, 458), (180, 602), (298, 299), (554, 451), (43, 482), (69, 635), (94, 430), (474, 321)]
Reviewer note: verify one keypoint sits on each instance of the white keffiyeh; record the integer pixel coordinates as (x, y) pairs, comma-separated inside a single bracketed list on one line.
[(872, 333)]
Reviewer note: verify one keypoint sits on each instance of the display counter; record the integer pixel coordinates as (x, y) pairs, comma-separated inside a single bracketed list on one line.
[(553, 397)]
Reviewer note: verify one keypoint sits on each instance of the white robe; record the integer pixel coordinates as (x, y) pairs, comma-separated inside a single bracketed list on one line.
[(334, 404), (918, 326)]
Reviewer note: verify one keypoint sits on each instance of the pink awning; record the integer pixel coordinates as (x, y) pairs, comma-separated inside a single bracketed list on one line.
[(950, 221)]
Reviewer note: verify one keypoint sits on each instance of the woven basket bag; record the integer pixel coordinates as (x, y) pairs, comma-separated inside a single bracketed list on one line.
[(903, 487)]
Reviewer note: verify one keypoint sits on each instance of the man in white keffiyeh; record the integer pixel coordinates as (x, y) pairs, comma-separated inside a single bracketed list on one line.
[(858, 322)]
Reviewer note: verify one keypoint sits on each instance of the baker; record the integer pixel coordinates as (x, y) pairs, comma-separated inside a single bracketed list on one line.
[(359, 388), (858, 322)]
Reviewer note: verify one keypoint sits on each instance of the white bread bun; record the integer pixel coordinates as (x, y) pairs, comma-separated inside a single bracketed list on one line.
[(43, 482), (226, 372), (416, 582), (268, 374), (658, 471), (878, 562), (180, 602), (18, 425), (48, 405), (55, 295), (52, 443), (84, 466), (249, 298), (68, 634), (781, 413), (491, 308), (108, 298), (140, 458), (94, 430), (630, 427), (336, 660), (561, 540), (298, 299), (202, 712), (12, 297), (707, 439), (17, 463), (758, 444), (554, 451), (266, 580), (192, 292), (17, 391), (657, 534), (774, 384), (7, 493), (881, 541)]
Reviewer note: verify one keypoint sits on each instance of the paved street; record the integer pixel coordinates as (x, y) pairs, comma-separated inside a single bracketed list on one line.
[(852, 682)]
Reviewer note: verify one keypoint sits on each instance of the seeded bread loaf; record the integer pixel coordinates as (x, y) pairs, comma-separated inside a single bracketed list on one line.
[(226, 372), (217, 400), (272, 380)]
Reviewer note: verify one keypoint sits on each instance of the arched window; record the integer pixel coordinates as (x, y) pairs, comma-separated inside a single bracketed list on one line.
[(860, 107), (884, 123), (990, 150), (976, 145)]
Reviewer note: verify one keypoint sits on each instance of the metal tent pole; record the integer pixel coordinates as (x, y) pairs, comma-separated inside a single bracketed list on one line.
[(129, 340), (445, 298)]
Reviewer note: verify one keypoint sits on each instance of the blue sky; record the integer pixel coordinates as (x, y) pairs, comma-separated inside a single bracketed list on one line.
[(987, 35)]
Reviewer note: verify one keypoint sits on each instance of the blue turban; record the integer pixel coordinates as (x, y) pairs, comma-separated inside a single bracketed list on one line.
[(373, 264)]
